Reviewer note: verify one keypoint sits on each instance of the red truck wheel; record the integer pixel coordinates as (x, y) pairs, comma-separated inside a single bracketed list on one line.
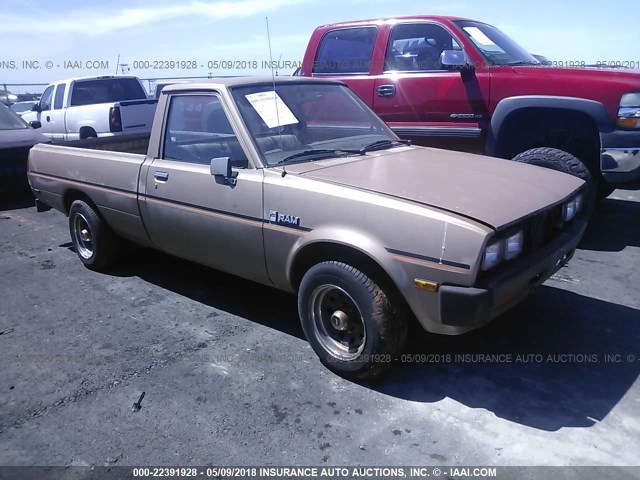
[(556, 160), (562, 162)]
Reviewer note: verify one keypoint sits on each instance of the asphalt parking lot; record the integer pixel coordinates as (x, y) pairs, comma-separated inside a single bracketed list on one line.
[(229, 379)]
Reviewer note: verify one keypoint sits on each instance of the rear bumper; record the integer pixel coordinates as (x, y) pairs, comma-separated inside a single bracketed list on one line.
[(466, 308), (620, 156)]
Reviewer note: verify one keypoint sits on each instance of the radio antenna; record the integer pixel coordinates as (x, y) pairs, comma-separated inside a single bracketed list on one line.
[(275, 95)]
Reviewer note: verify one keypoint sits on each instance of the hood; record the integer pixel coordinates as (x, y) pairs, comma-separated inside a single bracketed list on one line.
[(620, 76), (604, 85), (23, 137), (612, 74), (492, 191)]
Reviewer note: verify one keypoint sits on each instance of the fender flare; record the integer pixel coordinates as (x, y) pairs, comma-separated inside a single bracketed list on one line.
[(357, 241), (595, 110)]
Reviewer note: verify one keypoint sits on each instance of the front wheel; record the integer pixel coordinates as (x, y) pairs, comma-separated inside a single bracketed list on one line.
[(604, 190), (564, 162), (555, 160), (95, 243), (349, 320)]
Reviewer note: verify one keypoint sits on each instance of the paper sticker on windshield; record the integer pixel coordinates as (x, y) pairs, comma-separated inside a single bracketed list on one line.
[(479, 36), (273, 111)]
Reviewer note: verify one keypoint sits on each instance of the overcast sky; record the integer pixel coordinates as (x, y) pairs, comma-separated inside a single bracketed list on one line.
[(208, 30)]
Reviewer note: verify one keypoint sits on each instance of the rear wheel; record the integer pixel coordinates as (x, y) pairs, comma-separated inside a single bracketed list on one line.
[(349, 320), (87, 132), (95, 243)]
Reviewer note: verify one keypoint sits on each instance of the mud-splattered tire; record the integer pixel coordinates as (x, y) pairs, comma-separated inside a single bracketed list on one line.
[(349, 320), (95, 243), (604, 190), (556, 160), (564, 162)]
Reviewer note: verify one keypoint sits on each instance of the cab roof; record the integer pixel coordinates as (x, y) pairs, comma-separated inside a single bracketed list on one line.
[(230, 82), (392, 20)]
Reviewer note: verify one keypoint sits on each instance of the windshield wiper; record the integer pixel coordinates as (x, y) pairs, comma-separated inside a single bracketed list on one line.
[(377, 145), (315, 152), (382, 145), (521, 62)]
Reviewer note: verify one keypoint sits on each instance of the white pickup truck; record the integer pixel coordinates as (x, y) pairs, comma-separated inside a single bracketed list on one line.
[(93, 107)]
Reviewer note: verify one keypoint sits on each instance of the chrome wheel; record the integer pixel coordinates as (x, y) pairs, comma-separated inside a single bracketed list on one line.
[(337, 322), (82, 235)]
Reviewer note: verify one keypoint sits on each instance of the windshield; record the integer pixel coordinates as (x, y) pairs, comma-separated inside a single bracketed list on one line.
[(22, 107), (498, 48), (303, 122), (10, 120)]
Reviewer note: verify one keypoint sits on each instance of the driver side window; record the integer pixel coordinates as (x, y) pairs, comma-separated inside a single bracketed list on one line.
[(198, 130), (45, 100), (417, 47)]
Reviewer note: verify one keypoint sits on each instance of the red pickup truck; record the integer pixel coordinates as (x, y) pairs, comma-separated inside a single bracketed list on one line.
[(461, 84)]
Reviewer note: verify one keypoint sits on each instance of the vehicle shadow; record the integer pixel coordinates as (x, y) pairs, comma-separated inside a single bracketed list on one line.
[(253, 301), (563, 358), (615, 225), (559, 359), (16, 200)]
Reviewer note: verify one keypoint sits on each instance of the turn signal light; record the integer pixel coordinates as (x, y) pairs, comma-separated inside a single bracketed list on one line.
[(427, 285), (626, 122)]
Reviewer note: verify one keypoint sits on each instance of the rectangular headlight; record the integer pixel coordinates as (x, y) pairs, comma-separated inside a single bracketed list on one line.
[(579, 202), (513, 245), (492, 255), (569, 210), (630, 100), (629, 113)]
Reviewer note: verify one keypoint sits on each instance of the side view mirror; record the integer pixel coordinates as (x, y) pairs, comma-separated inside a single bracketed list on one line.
[(35, 124), (221, 169), (35, 108), (455, 60)]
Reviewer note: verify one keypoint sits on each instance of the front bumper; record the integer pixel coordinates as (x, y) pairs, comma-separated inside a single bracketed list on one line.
[(13, 176), (13, 169), (620, 156), (466, 308)]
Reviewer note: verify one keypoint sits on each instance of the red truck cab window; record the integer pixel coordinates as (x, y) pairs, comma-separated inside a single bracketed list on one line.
[(417, 47), (346, 50)]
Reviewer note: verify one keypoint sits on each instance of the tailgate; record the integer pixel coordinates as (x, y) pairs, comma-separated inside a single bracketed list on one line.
[(137, 115)]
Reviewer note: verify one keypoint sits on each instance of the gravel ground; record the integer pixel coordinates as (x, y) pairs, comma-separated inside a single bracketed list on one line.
[(229, 378)]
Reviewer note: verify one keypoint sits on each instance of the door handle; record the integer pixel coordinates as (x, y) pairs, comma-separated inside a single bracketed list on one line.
[(161, 176), (386, 90), (48, 118)]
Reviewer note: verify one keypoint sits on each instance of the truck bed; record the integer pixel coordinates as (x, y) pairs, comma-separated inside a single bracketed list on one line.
[(135, 143), (106, 170)]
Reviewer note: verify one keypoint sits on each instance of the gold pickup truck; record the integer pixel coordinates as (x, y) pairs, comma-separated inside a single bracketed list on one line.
[(296, 184)]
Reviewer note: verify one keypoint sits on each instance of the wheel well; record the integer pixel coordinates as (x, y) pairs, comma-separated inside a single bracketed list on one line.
[(569, 130), (318, 252), (71, 196), (87, 132)]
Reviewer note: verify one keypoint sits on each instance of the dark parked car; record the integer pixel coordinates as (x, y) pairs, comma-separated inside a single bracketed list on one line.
[(16, 139)]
